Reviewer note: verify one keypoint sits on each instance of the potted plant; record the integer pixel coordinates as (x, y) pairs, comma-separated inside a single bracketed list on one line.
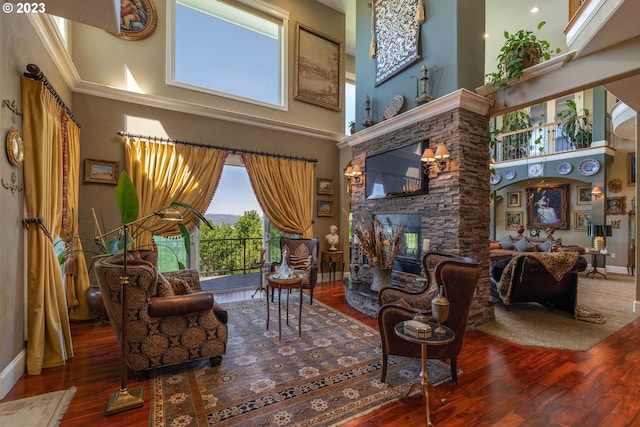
[(521, 50), (352, 127), (576, 127)]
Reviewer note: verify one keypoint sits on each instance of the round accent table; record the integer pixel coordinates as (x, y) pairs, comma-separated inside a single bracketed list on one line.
[(434, 339), (273, 283)]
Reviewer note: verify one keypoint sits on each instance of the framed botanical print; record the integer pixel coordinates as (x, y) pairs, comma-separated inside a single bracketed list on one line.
[(583, 195), (325, 208), (318, 69), (548, 206), (582, 220), (324, 186), (513, 220), (513, 199)]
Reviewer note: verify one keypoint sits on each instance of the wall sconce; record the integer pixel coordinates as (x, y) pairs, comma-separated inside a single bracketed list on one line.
[(438, 161), (596, 193), (354, 175)]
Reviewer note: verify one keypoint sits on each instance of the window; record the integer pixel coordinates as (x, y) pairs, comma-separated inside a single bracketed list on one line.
[(234, 49)]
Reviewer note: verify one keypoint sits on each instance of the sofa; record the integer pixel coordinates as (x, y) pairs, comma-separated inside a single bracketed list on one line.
[(509, 246), (550, 279)]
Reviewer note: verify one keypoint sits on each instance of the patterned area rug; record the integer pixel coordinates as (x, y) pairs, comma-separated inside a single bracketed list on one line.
[(43, 410), (328, 376)]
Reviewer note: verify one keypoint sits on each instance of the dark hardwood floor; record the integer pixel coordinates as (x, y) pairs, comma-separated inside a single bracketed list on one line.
[(503, 384)]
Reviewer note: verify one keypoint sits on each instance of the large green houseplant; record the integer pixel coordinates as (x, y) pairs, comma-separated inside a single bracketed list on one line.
[(521, 50), (576, 127)]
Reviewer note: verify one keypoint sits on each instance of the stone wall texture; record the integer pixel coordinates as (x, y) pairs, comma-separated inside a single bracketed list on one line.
[(455, 212)]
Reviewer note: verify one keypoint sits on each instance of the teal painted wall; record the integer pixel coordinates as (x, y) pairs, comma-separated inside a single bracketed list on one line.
[(451, 45)]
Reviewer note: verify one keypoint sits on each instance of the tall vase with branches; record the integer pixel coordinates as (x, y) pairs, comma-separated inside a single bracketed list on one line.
[(381, 245)]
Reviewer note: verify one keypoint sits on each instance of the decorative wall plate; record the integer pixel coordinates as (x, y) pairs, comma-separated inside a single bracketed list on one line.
[(589, 167), (564, 168), (15, 147), (393, 107), (535, 170), (495, 178), (510, 174)]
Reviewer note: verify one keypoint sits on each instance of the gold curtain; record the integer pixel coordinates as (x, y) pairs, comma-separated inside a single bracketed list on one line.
[(284, 188), (49, 334), (165, 172), (76, 276)]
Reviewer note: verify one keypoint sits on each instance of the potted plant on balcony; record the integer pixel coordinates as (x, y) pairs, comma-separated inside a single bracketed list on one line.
[(576, 127), (521, 50)]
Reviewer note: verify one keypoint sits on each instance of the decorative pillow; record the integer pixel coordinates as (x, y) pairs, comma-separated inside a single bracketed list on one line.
[(179, 286), (545, 247), (164, 287), (494, 245), (524, 245), (299, 263), (506, 243)]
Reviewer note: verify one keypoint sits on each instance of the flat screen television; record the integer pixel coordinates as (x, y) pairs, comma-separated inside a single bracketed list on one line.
[(396, 172)]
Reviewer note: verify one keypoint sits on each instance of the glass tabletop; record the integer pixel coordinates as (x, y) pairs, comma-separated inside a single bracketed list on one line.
[(434, 339)]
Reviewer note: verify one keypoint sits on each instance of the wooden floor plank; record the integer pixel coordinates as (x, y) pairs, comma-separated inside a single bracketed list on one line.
[(503, 384)]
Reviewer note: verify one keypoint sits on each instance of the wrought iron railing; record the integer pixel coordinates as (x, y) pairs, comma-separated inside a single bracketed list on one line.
[(228, 256), (541, 140)]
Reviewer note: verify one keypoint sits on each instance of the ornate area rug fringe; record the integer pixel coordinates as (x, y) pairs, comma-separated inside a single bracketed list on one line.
[(42, 410), (330, 375)]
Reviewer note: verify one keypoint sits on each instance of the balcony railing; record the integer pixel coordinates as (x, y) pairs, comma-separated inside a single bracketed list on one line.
[(219, 257), (541, 140)]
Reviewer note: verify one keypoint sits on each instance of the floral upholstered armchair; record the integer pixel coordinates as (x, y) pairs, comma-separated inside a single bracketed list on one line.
[(170, 319)]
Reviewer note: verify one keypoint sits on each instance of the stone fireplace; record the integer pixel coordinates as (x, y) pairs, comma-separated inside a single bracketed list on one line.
[(452, 210)]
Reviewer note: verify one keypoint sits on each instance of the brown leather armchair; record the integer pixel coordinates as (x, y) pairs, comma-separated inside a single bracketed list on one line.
[(458, 276), (161, 330), (302, 256)]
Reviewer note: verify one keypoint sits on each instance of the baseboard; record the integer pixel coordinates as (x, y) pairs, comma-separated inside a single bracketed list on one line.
[(12, 373), (610, 269)]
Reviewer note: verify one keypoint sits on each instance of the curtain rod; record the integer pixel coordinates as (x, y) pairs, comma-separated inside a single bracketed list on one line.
[(35, 73), (229, 149)]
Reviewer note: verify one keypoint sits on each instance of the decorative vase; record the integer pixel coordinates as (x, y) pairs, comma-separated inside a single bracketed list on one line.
[(381, 278)]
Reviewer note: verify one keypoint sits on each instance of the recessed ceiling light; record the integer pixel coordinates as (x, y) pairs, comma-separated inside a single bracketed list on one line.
[(535, 9)]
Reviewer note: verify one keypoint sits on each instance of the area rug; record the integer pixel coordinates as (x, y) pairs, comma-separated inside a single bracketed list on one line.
[(330, 375), (532, 324), (43, 410)]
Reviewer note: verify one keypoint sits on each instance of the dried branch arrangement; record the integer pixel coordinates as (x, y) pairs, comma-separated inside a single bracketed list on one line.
[(380, 243)]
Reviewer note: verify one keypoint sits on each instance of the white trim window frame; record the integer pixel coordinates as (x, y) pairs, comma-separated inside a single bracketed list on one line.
[(246, 79)]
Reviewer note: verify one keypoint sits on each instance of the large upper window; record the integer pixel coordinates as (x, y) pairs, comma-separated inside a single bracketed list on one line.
[(233, 48)]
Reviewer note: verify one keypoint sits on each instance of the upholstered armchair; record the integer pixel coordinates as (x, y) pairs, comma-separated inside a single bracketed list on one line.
[(302, 256), (170, 321), (458, 277)]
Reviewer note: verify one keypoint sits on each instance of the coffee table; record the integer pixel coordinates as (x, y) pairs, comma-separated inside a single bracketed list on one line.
[(274, 282), (434, 339)]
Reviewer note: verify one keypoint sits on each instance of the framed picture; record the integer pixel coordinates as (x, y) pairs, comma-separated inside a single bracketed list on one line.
[(616, 205), (583, 195), (325, 208), (548, 206), (631, 168), (138, 19), (513, 199), (513, 220), (318, 76), (100, 171), (582, 220), (325, 186), (396, 36)]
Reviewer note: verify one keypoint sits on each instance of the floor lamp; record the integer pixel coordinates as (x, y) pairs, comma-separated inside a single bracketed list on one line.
[(126, 398)]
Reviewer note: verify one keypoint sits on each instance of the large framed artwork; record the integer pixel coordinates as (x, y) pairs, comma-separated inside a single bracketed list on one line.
[(631, 168), (548, 207), (318, 69), (396, 34), (138, 19)]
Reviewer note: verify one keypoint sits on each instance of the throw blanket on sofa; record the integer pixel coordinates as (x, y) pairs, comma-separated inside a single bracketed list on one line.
[(557, 264)]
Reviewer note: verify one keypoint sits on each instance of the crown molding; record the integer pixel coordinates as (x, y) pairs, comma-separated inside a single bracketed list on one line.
[(54, 44)]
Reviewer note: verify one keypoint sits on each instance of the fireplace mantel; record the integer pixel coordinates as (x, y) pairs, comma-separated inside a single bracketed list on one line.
[(460, 99)]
